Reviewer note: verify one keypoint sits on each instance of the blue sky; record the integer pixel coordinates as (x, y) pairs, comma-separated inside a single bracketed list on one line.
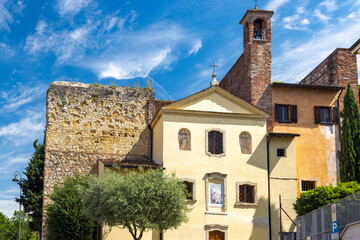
[(125, 42)]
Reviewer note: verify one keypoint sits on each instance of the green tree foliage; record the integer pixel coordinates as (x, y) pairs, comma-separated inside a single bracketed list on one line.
[(321, 196), (32, 187), (9, 228), (66, 218), (139, 201), (349, 155)]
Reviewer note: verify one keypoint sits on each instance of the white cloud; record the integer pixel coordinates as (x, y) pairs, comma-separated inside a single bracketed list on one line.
[(6, 51), (7, 207), (65, 44), (300, 59), (71, 7), (6, 17), (322, 17), (19, 95), (293, 22), (195, 48), (276, 4), (137, 66), (23, 131), (8, 10), (330, 5), (305, 21)]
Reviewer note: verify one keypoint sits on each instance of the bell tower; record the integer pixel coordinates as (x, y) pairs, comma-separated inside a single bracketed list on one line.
[(250, 77)]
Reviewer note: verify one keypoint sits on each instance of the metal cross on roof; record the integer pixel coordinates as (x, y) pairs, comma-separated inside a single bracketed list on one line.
[(214, 66)]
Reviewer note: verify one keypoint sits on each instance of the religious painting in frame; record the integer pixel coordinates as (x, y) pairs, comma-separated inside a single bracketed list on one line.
[(216, 195)]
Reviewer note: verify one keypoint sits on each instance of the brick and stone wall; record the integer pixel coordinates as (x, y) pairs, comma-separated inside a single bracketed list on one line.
[(87, 123), (250, 77), (339, 68)]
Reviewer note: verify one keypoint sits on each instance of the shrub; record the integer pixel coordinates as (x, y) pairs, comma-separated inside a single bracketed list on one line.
[(321, 196), (66, 218)]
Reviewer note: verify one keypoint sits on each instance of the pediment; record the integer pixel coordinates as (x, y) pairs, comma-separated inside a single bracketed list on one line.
[(215, 99)]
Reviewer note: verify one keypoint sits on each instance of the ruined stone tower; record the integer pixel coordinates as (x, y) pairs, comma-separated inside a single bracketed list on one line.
[(89, 126)]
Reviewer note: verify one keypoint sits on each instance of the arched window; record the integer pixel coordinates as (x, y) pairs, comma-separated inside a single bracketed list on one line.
[(259, 29), (245, 143), (184, 137)]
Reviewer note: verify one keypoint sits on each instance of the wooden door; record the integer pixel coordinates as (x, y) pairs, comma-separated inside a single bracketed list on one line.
[(216, 235)]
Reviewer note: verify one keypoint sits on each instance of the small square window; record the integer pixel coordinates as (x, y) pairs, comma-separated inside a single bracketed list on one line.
[(307, 185), (280, 152), (246, 193)]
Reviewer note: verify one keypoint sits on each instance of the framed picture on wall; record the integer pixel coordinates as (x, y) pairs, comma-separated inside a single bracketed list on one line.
[(216, 195)]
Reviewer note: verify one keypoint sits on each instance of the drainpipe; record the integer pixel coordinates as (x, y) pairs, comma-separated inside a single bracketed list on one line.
[(268, 175), (339, 118), (336, 144)]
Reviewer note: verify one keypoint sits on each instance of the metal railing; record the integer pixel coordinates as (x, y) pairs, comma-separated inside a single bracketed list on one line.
[(317, 223)]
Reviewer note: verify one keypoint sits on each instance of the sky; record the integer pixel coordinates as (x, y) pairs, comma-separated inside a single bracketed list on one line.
[(171, 43)]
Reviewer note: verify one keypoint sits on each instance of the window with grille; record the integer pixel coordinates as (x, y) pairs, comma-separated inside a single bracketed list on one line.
[(215, 142), (307, 185), (280, 152), (246, 194)]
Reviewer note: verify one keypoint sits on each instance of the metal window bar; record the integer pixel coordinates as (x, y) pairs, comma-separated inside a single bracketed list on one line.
[(307, 185), (215, 142), (246, 194)]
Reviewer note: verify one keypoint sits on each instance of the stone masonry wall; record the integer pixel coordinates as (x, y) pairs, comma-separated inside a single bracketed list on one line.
[(250, 77), (339, 68), (87, 123)]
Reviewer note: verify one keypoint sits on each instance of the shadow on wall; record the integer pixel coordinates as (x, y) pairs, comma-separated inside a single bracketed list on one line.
[(259, 158), (141, 149), (261, 222)]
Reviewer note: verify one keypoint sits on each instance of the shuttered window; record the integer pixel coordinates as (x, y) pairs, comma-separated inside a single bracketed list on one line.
[(285, 113), (326, 115)]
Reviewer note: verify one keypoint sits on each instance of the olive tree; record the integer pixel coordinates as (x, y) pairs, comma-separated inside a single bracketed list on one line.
[(138, 200)]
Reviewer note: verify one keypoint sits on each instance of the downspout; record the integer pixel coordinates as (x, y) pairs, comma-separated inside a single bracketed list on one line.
[(268, 175), (339, 118), (337, 146), (151, 144)]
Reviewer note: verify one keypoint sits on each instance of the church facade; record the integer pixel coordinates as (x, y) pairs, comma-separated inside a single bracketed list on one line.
[(241, 146)]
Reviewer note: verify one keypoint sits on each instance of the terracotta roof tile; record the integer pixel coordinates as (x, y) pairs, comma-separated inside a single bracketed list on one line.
[(131, 163)]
